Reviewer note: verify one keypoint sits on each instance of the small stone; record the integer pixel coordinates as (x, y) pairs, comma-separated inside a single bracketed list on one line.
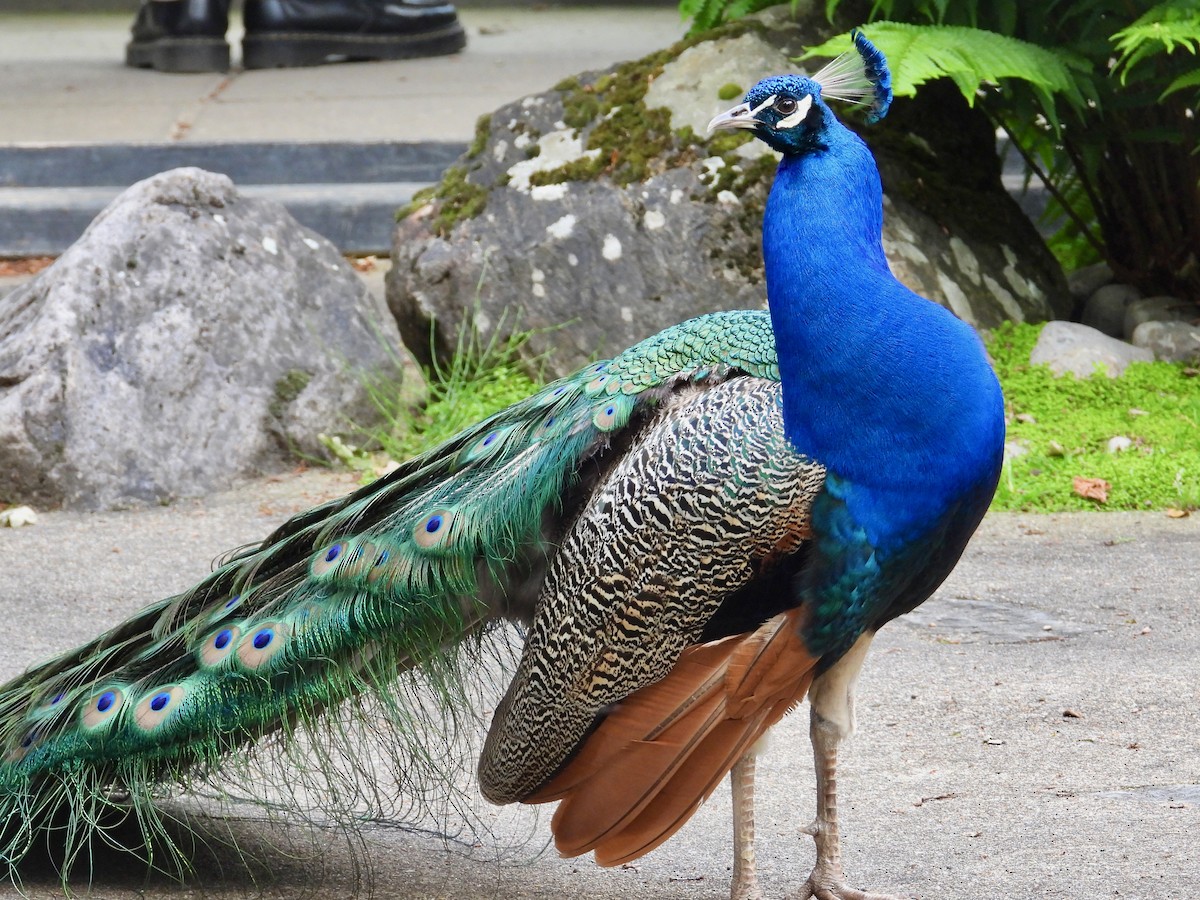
[(1159, 309), (1054, 448), (1105, 309), (1026, 418), (1082, 283), (1169, 341), (1119, 444), (1072, 714), (1013, 449), (1081, 350)]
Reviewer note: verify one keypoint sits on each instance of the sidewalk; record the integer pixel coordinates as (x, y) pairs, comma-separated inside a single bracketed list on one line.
[(77, 126)]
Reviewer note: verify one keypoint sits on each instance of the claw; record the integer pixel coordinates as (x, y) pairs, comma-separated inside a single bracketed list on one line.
[(836, 890)]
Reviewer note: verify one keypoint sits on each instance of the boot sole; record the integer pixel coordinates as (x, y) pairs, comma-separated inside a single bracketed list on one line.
[(179, 55), (272, 51)]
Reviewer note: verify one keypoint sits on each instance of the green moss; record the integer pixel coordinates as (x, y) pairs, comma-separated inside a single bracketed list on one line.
[(729, 91), (288, 387), (461, 199), (633, 142), (584, 108), (1065, 423), (483, 127), (419, 199), (583, 169)]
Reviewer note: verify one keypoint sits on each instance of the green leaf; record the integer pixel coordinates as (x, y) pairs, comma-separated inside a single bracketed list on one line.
[(1165, 28), (969, 56), (1187, 80)]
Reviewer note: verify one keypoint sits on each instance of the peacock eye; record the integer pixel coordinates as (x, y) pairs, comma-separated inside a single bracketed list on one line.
[(785, 106)]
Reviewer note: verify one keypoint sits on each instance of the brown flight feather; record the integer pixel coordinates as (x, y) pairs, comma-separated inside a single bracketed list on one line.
[(674, 740)]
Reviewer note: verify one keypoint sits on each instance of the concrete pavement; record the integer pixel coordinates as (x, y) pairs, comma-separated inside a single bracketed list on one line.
[(1031, 731), (341, 146)]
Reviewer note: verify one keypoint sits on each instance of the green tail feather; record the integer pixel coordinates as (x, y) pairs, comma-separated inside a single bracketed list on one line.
[(335, 604)]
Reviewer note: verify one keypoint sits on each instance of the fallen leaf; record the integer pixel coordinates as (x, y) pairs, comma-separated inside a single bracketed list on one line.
[(29, 265), (1173, 513), (1092, 488), (18, 517)]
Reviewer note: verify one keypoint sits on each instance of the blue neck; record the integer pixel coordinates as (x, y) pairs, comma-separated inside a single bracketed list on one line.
[(888, 390)]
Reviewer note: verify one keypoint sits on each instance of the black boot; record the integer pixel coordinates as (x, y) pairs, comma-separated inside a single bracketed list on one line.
[(311, 32), (180, 36)]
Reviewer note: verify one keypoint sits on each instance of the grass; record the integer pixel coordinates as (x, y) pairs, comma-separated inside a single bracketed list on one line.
[(1063, 424), (480, 379)]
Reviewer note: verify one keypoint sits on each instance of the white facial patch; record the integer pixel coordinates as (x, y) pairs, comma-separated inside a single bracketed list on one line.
[(797, 117), (754, 112)]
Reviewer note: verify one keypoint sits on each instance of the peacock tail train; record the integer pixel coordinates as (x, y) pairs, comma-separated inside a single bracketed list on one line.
[(337, 602)]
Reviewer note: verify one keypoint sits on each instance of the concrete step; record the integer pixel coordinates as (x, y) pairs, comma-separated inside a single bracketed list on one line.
[(348, 192)]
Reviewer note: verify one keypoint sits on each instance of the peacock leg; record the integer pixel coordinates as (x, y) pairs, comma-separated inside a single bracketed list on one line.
[(741, 782), (831, 700)]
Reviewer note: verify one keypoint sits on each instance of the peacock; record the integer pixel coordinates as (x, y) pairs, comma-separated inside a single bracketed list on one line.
[(696, 535)]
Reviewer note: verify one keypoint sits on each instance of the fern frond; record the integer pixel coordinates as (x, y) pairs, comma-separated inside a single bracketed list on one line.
[(1165, 28), (706, 14), (968, 56), (1187, 80)]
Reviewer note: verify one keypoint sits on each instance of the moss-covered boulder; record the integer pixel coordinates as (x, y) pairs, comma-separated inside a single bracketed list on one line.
[(598, 212)]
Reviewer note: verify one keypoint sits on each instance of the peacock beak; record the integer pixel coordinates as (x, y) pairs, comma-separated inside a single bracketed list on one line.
[(740, 116)]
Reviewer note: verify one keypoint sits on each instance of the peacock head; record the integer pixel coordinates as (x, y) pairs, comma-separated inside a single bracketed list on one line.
[(788, 112)]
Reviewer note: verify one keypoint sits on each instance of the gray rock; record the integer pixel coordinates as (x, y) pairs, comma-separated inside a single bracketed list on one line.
[(191, 336), (1169, 341), (1078, 349), (652, 224), (1084, 282), (1105, 309), (1159, 309)]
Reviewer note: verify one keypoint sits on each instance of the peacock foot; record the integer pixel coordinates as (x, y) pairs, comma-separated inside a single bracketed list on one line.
[(824, 884)]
